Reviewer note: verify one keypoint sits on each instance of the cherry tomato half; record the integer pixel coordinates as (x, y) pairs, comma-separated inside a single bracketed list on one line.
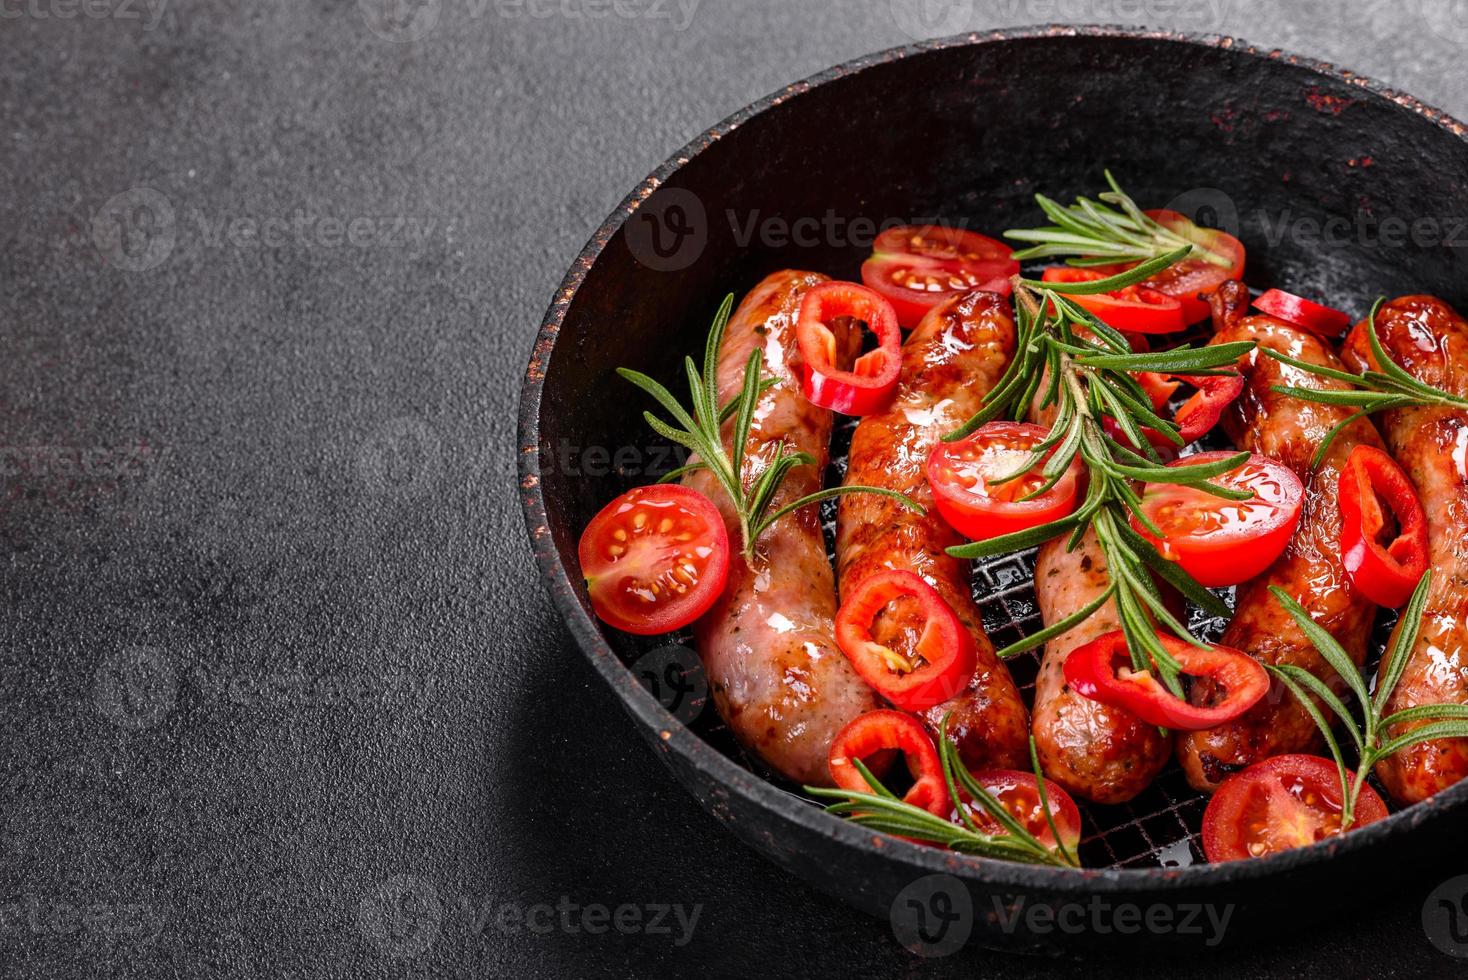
[(962, 474), (1224, 542), (942, 660), (1279, 804), (1020, 795), (655, 559), (918, 267), (1193, 280), (874, 736), (870, 384), (1102, 671), (1386, 573), (1135, 308), (1303, 313)]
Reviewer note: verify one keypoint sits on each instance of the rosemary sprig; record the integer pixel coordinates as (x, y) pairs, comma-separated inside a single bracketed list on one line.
[(1371, 739), (1090, 233), (1375, 391), (1087, 365), (882, 810), (699, 430)]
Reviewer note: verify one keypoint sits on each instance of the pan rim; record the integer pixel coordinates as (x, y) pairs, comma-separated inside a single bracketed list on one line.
[(678, 739)]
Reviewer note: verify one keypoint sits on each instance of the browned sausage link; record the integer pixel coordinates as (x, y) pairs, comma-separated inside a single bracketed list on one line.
[(776, 675), (949, 364), (1103, 753), (1430, 340), (1289, 430), (1096, 751)]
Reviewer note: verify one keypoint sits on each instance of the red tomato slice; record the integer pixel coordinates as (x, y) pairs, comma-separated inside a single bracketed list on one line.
[(1135, 308), (870, 384), (874, 736), (1387, 573), (1193, 280), (918, 267), (942, 659), (1279, 804), (1224, 542), (1102, 671), (1303, 313), (1020, 795), (655, 559), (961, 475)]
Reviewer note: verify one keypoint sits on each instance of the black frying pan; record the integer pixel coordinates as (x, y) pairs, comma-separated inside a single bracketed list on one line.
[(1340, 188)]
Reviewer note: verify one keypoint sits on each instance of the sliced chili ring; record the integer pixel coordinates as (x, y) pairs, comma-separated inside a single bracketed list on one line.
[(1136, 308), (1102, 671), (870, 384), (1303, 313), (941, 662), (1384, 573), (879, 733)]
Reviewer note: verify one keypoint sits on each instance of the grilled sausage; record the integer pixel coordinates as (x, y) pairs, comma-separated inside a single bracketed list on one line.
[(777, 677), (1289, 430), (1102, 753), (951, 361), (1430, 340)]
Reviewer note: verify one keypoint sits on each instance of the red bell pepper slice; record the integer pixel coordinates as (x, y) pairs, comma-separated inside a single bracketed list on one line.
[(1384, 573), (943, 658), (1195, 417), (1102, 671), (1136, 308), (869, 386), (871, 738), (1301, 312)]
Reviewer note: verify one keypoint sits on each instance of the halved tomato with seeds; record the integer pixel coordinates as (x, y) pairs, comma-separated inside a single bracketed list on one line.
[(919, 266), (1279, 804), (1019, 793), (655, 559), (975, 490)]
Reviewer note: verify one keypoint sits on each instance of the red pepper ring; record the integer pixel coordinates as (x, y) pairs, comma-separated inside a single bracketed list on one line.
[(1134, 308), (1101, 670), (872, 381), (944, 646), (1388, 574), (877, 734), (1303, 313), (1196, 417)]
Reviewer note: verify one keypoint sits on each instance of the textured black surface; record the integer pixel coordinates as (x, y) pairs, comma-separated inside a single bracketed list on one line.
[(273, 638)]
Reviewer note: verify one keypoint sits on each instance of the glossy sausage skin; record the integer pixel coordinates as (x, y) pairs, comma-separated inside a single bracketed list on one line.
[(951, 361), (1102, 753), (1430, 340), (1289, 430), (777, 677), (1093, 750)]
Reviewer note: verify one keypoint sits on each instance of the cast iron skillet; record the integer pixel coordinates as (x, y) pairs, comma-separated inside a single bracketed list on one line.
[(967, 130)]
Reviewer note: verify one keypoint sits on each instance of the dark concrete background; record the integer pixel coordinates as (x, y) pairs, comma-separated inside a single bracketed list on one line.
[(282, 695)]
